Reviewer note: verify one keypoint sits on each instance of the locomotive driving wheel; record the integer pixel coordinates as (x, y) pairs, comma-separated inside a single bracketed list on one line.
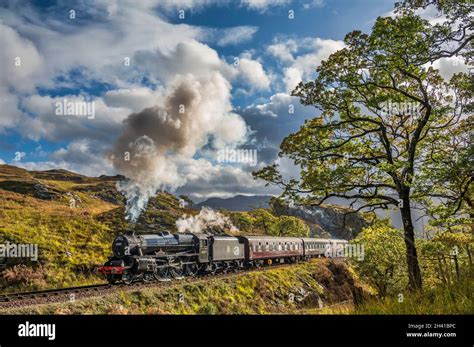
[(127, 279), (176, 268), (148, 277), (191, 270), (235, 266), (161, 274)]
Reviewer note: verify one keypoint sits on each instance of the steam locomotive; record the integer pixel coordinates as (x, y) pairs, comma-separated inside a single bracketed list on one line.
[(165, 255)]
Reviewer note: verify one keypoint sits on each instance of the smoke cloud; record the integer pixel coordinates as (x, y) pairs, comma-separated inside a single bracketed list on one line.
[(206, 221), (157, 143)]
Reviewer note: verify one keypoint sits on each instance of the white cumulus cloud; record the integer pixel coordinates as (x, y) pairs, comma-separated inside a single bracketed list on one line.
[(236, 35)]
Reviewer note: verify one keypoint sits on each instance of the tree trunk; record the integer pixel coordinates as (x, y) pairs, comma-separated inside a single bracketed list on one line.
[(441, 270), (456, 265), (468, 251), (448, 270), (414, 273), (471, 213)]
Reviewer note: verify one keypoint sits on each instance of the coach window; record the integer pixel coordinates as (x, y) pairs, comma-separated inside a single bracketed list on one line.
[(259, 246), (267, 246)]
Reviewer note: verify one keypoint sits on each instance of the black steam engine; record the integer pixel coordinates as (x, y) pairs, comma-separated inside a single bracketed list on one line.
[(150, 257), (163, 256)]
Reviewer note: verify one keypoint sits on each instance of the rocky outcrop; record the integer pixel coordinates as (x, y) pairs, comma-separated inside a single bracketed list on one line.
[(326, 220), (43, 192)]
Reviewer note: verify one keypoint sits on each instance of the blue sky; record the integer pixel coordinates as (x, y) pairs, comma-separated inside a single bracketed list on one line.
[(240, 106)]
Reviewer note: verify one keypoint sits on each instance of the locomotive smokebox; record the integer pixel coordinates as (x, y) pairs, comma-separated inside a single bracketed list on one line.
[(124, 245)]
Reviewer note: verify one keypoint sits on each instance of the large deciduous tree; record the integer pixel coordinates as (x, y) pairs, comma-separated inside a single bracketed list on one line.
[(383, 109)]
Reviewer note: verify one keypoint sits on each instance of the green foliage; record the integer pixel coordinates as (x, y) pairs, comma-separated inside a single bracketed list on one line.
[(445, 259), (449, 174), (292, 226), (242, 220), (384, 258), (453, 25), (263, 221)]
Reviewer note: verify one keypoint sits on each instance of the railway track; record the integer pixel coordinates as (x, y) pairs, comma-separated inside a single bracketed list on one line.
[(70, 294), (51, 292)]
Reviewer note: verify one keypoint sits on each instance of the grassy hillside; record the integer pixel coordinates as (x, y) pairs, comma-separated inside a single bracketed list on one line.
[(72, 218), (313, 287)]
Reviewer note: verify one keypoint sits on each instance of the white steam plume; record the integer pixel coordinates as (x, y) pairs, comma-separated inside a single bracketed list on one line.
[(207, 219), (157, 142)]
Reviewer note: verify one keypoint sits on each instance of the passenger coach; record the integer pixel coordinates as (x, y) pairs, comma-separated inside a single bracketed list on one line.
[(259, 249)]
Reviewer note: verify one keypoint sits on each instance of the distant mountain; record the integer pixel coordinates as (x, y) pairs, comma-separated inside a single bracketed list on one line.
[(236, 203)]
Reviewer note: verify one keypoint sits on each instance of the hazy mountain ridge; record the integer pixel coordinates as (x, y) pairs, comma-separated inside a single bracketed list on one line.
[(237, 203)]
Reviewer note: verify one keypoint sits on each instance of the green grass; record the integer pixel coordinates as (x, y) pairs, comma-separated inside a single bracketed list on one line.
[(456, 298), (296, 289)]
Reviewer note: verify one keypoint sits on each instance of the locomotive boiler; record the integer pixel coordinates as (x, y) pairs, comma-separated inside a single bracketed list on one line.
[(131, 245)]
